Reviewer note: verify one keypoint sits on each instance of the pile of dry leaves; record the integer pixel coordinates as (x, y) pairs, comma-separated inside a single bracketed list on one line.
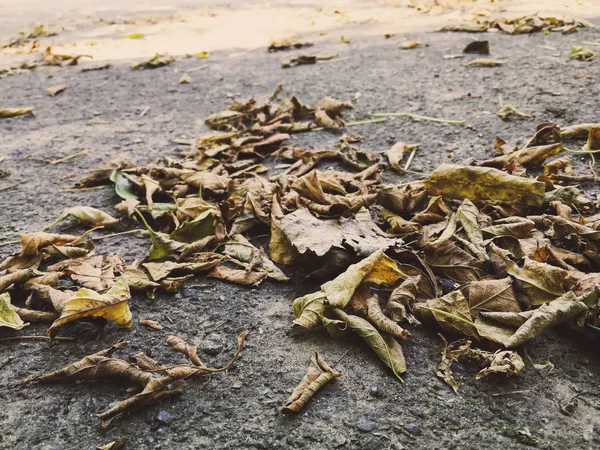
[(495, 252)]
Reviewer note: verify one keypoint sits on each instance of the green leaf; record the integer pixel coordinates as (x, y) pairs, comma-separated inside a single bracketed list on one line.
[(123, 187), (162, 246)]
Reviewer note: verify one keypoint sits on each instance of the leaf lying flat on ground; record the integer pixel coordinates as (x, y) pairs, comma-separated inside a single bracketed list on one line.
[(483, 62), (450, 261), (319, 373), (407, 45), (8, 317), (492, 295), (508, 111), (14, 112), (111, 306), (484, 184)]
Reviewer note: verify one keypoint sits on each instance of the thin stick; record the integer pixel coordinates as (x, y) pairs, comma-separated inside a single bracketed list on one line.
[(325, 61), (410, 158), (67, 158), (419, 117), (94, 188), (343, 356), (591, 43), (41, 338), (9, 243), (122, 233), (6, 188), (193, 69), (143, 113)]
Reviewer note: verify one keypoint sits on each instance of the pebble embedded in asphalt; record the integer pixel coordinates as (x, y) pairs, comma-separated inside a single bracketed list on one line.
[(368, 427), (164, 417), (413, 428)]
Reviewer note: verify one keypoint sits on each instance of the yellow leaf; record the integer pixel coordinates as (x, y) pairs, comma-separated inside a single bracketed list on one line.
[(8, 317), (134, 36), (111, 306)]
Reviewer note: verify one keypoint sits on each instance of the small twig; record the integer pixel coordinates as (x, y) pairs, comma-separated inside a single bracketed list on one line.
[(67, 158), (143, 113), (94, 188), (419, 117), (343, 356), (193, 69), (591, 43), (332, 60), (353, 124), (10, 186), (41, 338), (106, 236), (9, 243), (410, 158)]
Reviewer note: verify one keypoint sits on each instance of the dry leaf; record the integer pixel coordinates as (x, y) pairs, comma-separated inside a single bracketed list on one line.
[(484, 184), (185, 78), (14, 112), (117, 444), (319, 373), (8, 316), (87, 215), (154, 324), (111, 306), (483, 62), (54, 90)]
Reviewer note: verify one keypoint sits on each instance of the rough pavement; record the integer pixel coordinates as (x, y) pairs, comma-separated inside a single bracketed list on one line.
[(238, 409)]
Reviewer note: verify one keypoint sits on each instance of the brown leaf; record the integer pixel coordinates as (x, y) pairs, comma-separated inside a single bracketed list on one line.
[(154, 324), (492, 295), (177, 344), (238, 276), (117, 444), (451, 312), (397, 152), (446, 259), (319, 373), (384, 323)]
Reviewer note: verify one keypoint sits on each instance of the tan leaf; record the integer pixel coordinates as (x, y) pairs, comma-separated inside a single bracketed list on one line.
[(54, 90), (89, 216), (8, 316), (154, 324), (319, 373)]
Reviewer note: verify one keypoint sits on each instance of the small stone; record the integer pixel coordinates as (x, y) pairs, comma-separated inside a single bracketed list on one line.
[(212, 345), (398, 446), (290, 440), (368, 427), (164, 417), (374, 391), (237, 385), (189, 292), (339, 440), (413, 428)]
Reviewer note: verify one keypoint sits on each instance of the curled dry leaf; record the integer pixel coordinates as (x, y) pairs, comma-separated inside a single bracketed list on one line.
[(14, 112), (54, 90), (397, 152), (481, 47), (87, 215), (386, 347), (177, 344), (117, 444), (154, 324), (319, 373), (154, 62), (8, 316), (111, 306)]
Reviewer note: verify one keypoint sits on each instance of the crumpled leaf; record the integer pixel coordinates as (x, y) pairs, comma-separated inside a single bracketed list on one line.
[(117, 444), (154, 62), (380, 320), (397, 152), (179, 345), (508, 111), (8, 316), (309, 309), (532, 323), (377, 269), (111, 306), (507, 362), (581, 53), (93, 272), (14, 112), (160, 270), (241, 249), (451, 312), (319, 373), (123, 187), (408, 45), (162, 246), (386, 348), (89, 216), (280, 248), (238, 276), (484, 184)]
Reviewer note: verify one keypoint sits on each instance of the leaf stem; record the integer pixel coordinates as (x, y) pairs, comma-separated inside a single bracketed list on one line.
[(419, 117)]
